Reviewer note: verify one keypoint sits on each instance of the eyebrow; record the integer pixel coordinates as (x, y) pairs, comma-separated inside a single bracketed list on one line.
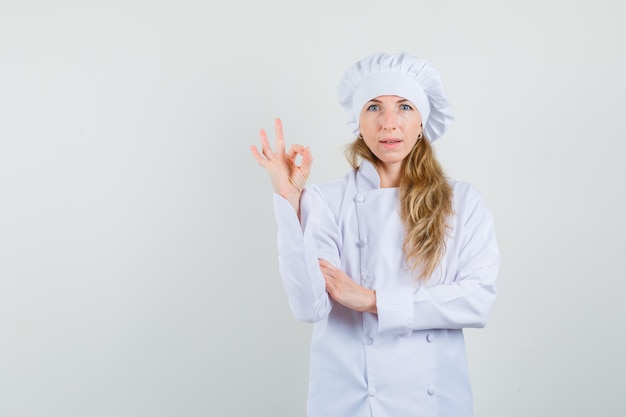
[(375, 100)]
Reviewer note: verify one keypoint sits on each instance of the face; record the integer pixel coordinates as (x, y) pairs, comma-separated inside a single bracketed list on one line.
[(390, 126)]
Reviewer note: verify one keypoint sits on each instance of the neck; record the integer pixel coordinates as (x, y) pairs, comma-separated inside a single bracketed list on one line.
[(389, 174)]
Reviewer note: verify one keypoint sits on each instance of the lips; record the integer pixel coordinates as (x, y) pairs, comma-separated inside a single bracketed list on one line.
[(390, 143)]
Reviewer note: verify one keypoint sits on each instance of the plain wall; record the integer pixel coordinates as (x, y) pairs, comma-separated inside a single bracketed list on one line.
[(138, 267)]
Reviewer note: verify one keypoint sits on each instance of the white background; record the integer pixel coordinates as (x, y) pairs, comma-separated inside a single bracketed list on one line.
[(138, 270)]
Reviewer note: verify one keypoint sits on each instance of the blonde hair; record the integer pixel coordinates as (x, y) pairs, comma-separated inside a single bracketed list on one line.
[(425, 204)]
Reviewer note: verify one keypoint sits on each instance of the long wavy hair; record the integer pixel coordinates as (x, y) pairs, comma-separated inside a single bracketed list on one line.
[(425, 204)]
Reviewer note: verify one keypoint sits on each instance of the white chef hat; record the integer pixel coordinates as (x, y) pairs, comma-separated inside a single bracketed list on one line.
[(414, 79)]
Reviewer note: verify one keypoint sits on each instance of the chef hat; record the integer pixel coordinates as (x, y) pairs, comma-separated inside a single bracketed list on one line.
[(414, 79)]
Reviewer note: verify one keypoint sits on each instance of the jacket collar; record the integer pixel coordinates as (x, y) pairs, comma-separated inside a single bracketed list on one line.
[(367, 178)]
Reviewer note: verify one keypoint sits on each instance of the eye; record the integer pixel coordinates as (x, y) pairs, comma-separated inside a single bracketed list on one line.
[(405, 107), (373, 107)]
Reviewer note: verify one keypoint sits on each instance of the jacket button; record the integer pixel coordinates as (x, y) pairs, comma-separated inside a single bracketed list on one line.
[(371, 392), (369, 340), (359, 198), (430, 338), (432, 390)]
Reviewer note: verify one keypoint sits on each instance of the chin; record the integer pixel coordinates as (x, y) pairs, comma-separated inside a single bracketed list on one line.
[(391, 159)]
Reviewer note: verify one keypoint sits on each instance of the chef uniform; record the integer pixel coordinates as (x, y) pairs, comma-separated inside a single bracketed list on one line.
[(408, 360)]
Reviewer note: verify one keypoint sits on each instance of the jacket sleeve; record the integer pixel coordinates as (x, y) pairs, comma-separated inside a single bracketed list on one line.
[(300, 244), (463, 301)]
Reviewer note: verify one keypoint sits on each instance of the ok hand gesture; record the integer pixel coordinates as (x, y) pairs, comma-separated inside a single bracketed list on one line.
[(288, 178)]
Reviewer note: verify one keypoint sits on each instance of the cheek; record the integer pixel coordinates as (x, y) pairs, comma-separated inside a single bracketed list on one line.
[(367, 129), (412, 120), (365, 120), (413, 124)]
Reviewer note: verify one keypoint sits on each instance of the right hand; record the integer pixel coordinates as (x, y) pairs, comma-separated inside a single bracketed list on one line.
[(288, 178)]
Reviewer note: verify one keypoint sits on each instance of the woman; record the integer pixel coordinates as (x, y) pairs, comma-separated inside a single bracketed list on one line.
[(392, 260)]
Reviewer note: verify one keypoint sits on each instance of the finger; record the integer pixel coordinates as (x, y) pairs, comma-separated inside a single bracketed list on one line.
[(327, 273), (331, 287), (324, 266), (307, 158), (304, 164), (294, 150), (330, 276), (265, 145), (327, 265), (280, 138), (257, 155)]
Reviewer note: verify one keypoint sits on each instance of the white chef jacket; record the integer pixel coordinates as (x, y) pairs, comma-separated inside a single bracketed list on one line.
[(409, 359)]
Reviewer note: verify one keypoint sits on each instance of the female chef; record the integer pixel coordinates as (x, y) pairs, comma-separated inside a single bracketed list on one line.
[(390, 261)]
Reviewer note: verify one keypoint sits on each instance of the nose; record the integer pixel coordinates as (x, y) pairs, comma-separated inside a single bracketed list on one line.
[(389, 120)]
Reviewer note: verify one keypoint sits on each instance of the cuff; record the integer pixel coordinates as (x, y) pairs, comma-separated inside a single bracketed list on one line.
[(395, 310), (286, 216)]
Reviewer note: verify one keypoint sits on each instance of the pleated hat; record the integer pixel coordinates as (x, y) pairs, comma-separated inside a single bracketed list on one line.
[(412, 78)]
